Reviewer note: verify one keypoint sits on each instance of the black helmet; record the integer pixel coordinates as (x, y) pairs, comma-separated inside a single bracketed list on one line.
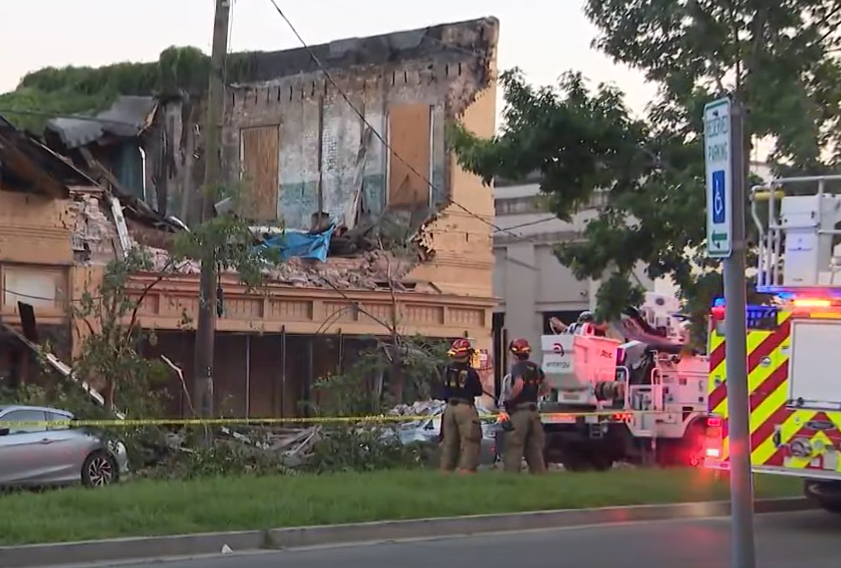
[(586, 317)]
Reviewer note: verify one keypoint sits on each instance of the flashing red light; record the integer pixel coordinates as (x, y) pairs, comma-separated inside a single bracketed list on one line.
[(718, 312), (713, 421)]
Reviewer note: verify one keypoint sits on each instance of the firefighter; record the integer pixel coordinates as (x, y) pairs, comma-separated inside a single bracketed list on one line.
[(461, 430), (526, 437)]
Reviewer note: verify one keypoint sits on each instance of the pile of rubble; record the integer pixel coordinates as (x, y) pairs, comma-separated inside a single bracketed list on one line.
[(290, 445), (369, 271), (419, 408), (95, 238)]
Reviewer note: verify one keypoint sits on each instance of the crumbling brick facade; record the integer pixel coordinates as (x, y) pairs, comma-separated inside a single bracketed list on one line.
[(407, 86)]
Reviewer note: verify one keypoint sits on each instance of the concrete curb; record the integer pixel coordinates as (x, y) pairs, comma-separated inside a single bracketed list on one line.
[(210, 543)]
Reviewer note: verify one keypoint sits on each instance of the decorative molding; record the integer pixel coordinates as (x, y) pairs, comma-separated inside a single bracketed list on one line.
[(315, 310)]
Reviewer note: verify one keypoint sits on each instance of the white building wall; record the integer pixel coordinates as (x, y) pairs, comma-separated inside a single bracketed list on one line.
[(528, 278)]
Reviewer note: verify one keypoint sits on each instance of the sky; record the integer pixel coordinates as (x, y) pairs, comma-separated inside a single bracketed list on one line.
[(542, 37)]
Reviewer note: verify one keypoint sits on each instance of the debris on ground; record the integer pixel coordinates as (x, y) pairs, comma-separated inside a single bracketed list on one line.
[(427, 408), (290, 445), (419, 408)]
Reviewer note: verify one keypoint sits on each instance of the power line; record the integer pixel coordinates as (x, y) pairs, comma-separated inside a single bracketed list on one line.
[(530, 223), (384, 142), (45, 299)]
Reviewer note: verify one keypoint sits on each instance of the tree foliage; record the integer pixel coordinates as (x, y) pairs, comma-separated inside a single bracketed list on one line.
[(362, 390), (778, 58), (71, 90)]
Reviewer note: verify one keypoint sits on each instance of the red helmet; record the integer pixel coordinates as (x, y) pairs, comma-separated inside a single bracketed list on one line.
[(460, 348), (520, 346)]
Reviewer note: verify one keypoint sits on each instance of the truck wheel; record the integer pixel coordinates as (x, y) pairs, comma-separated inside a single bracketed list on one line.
[(825, 494), (830, 505)]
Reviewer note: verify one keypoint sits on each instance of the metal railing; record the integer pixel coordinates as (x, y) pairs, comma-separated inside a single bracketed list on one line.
[(770, 255)]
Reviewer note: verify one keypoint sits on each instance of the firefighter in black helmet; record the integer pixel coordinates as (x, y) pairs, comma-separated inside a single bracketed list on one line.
[(526, 438)]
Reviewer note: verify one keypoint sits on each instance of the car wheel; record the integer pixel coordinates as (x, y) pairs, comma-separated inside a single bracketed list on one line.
[(99, 470)]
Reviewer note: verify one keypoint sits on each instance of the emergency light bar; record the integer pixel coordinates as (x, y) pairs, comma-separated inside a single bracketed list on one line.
[(719, 305), (758, 316), (764, 317)]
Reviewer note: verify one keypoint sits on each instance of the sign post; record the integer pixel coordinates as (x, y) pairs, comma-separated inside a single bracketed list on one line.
[(726, 167)]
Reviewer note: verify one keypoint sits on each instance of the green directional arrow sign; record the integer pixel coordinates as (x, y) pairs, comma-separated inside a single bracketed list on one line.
[(718, 238)]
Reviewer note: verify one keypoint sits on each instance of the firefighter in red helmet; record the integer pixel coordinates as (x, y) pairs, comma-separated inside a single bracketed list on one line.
[(461, 430), (526, 438)]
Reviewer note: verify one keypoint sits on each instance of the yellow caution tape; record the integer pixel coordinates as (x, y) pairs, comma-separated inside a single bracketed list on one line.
[(381, 419)]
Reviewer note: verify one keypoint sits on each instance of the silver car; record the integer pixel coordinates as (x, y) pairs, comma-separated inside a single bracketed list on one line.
[(41, 454), (427, 430)]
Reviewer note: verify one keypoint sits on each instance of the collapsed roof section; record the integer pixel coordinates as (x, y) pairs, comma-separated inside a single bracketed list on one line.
[(29, 166), (128, 117)]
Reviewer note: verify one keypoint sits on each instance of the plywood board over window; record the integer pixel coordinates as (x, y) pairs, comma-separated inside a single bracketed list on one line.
[(43, 287), (410, 137), (260, 159)]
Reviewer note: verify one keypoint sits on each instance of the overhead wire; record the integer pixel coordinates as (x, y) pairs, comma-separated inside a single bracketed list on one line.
[(45, 299)]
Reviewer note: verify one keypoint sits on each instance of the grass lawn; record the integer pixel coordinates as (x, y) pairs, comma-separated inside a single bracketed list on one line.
[(146, 508)]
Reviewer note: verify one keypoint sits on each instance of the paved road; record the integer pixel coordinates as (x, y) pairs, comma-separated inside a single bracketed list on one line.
[(785, 540)]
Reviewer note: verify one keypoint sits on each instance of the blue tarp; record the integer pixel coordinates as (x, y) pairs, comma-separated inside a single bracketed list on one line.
[(302, 245)]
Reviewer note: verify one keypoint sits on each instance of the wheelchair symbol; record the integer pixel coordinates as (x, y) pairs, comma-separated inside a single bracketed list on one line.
[(718, 204)]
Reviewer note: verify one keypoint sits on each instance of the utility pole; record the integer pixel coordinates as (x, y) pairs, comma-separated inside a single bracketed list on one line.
[(726, 165), (203, 366), (743, 554)]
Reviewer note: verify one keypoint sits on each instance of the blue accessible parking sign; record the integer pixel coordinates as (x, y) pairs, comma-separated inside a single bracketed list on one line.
[(719, 212)]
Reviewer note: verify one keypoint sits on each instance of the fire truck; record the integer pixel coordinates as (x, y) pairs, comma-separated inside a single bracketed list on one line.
[(642, 399), (793, 379)]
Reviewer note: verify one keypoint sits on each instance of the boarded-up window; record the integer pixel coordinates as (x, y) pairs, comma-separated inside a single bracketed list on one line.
[(43, 287), (409, 133), (260, 156)]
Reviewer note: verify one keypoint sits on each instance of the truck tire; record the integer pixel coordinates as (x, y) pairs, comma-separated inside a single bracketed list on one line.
[(825, 494), (830, 505)]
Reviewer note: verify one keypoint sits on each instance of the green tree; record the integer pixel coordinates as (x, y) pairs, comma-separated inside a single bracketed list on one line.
[(778, 58), (65, 91)]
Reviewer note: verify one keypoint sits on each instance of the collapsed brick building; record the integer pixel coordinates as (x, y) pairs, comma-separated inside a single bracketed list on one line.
[(412, 241)]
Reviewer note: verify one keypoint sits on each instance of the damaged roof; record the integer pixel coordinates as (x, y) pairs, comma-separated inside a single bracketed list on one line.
[(27, 164), (24, 161), (477, 36), (128, 117)]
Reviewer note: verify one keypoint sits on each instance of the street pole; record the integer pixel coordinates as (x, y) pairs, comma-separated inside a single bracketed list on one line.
[(735, 333), (206, 328)]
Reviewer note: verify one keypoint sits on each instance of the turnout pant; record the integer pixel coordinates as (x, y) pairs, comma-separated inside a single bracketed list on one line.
[(461, 433), (525, 440)]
